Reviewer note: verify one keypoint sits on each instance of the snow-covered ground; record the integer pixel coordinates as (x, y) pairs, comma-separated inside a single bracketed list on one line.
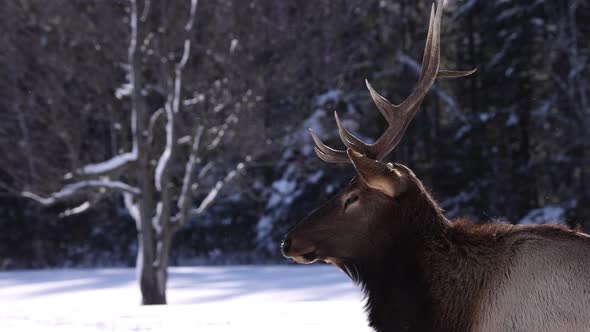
[(235, 298)]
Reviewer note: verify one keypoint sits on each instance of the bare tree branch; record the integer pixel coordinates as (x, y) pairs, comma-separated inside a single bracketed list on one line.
[(160, 220), (172, 107), (191, 20), (146, 10), (85, 206), (205, 169), (106, 167), (178, 75), (162, 168), (184, 200), (135, 81), (208, 200), (162, 171), (74, 190), (133, 209), (153, 120), (76, 210), (221, 131)]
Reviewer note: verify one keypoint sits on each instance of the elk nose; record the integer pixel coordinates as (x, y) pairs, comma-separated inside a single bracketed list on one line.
[(285, 246)]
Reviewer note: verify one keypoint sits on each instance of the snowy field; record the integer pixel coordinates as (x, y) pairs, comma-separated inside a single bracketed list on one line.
[(236, 298)]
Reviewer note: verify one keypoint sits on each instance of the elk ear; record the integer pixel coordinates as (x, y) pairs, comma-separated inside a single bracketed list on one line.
[(378, 175)]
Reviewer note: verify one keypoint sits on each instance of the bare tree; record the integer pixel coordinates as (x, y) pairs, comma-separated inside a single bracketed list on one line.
[(143, 177)]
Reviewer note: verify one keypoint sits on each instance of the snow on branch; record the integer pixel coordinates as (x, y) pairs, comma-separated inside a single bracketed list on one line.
[(221, 131), (105, 167), (191, 19), (172, 107), (178, 76), (163, 166), (76, 210), (208, 200), (184, 199), (152, 124), (132, 208), (74, 190), (184, 59), (146, 10), (82, 208)]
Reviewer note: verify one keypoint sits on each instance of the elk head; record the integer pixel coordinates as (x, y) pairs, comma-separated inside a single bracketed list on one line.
[(347, 226)]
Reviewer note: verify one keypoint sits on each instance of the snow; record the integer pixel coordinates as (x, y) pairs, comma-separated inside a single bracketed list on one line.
[(551, 214), (123, 90), (512, 120), (329, 96), (485, 116), (284, 186), (462, 131), (76, 210), (234, 298), (508, 14), (106, 166)]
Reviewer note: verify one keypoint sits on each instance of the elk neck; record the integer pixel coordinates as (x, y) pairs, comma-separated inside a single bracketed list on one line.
[(412, 282)]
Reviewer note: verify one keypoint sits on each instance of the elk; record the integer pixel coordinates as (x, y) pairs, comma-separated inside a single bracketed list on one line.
[(421, 271)]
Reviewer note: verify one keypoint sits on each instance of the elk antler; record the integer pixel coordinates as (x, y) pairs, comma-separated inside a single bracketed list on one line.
[(398, 116)]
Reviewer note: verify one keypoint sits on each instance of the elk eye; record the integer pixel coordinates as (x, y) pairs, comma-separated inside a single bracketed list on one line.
[(351, 199)]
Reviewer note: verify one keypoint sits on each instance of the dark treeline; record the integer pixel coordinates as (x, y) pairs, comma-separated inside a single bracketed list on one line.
[(510, 142)]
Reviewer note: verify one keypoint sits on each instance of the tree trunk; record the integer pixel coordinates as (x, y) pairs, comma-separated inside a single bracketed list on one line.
[(163, 257), (152, 291), (153, 278)]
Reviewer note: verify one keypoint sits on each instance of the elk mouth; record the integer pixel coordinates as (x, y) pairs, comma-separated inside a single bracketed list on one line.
[(310, 257), (305, 258), (302, 254)]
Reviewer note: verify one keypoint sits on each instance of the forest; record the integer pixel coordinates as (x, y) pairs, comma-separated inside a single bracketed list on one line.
[(206, 105)]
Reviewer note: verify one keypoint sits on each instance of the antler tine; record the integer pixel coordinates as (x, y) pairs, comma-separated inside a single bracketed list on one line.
[(348, 138), (407, 109), (431, 58), (326, 153), (330, 158), (397, 116), (441, 72), (387, 109), (428, 46), (454, 73)]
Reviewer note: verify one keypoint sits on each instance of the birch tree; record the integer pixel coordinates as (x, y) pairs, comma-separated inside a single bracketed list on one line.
[(159, 205)]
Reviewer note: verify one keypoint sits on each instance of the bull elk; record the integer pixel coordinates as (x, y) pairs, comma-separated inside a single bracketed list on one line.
[(419, 270)]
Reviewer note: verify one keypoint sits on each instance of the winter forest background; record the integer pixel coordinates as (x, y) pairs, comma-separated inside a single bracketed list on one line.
[(508, 143)]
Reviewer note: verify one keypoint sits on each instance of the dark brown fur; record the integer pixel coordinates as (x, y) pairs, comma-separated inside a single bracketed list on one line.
[(420, 271)]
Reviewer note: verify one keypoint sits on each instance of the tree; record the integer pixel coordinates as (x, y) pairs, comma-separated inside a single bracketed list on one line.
[(507, 141), (156, 184)]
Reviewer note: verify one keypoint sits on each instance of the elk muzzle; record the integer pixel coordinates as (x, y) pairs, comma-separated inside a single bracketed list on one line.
[(298, 250)]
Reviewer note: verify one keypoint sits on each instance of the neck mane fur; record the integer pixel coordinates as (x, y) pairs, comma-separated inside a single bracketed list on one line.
[(419, 279)]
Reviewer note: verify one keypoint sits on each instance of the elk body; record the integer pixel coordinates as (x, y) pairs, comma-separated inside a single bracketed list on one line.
[(423, 272)]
